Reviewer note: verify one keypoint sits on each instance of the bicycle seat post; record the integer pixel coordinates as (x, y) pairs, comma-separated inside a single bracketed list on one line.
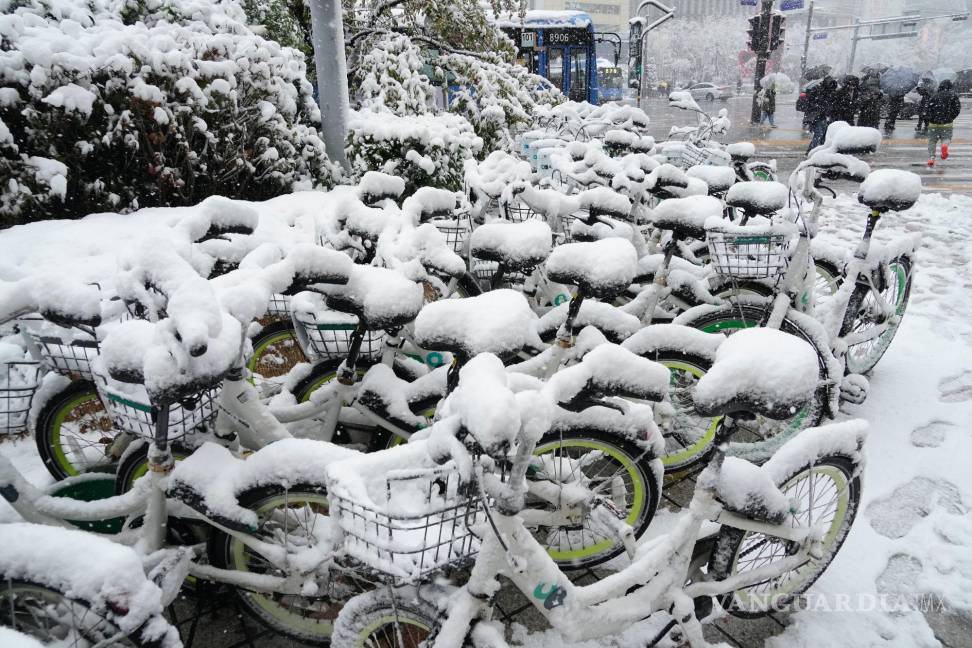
[(865, 245)]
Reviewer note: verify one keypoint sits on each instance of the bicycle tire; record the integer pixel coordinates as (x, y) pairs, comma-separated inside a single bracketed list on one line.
[(827, 281), (79, 403), (725, 555), (134, 464), (383, 618), (307, 622), (17, 595), (637, 471), (769, 434), (275, 351), (902, 275)]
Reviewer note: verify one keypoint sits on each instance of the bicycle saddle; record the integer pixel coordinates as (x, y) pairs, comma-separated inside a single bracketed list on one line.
[(498, 322), (226, 216), (610, 370), (761, 198), (605, 202), (376, 186), (664, 178), (602, 269), (380, 298), (367, 222), (517, 246), (741, 151), (315, 265), (760, 371), (719, 178), (685, 217), (749, 490), (890, 190), (615, 324)]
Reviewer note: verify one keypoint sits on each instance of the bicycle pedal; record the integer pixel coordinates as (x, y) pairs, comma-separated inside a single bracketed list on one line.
[(854, 389)]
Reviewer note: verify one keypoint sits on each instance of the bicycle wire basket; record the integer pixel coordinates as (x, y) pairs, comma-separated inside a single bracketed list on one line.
[(135, 414), (456, 230), (744, 255), (68, 358), (279, 307), (519, 212), (18, 384), (399, 547), (690, 155), (330, 340)]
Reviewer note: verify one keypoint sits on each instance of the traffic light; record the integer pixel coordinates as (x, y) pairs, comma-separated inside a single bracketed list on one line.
[(777, 30), (757, 34)]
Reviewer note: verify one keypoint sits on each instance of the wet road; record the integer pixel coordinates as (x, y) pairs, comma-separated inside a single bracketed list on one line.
[(788, 143)]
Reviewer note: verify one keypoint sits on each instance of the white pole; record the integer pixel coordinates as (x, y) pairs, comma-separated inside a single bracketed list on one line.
[(332, 77)]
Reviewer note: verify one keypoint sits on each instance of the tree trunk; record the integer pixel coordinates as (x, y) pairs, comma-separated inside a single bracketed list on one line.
[(332, 76)]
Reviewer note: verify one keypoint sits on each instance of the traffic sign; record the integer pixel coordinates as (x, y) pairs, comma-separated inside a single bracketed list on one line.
[(820, 36), (747, 3), (789, 5)]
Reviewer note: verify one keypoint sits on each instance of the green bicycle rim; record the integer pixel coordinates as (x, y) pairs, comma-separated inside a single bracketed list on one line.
[(843, 488), (261, 348), (884, 340), (62, 414), (684, 456), (636, 507), (265, 602)]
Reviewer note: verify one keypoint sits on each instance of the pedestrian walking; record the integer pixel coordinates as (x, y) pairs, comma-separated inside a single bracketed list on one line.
[(820, 104), (767, 105), (847, 100), (925, 90), (871, 99), (894, 108), (943, 107)]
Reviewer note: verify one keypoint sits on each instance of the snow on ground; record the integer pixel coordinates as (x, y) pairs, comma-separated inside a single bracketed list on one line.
[(912, 543)]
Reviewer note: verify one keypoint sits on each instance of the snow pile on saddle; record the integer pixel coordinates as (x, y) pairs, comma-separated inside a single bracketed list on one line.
[(519, 246), (741, 150), (499, 322), (610, 370), (84, 566), (891, 188), (845, 138), (717, 178), (687, 215), (760, 197), (384, 298), (759, 370), (604, 267)]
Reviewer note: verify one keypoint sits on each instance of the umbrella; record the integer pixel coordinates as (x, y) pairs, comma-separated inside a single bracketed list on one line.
[(898, 81), (817, 72), (880, 68), (777, 80), (944, 74)]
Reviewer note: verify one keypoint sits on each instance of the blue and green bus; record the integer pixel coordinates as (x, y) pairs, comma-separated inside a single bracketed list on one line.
[(560, 46)]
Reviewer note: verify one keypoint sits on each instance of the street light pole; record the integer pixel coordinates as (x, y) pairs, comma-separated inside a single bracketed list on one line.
[(854, 39), (806, 45), (762, 56), (327, 23)]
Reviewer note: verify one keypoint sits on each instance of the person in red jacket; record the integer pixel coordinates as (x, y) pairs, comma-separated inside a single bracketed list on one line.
[(943, 107)]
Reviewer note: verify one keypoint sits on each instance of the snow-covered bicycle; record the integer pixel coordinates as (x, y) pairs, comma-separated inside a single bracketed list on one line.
[(777, 527)]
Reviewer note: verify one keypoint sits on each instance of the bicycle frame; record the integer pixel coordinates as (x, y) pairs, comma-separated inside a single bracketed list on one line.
[(655, 581)]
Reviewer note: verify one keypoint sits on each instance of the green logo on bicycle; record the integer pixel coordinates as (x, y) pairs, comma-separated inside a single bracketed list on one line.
[(560, 299), (435, 359), (554, 597)]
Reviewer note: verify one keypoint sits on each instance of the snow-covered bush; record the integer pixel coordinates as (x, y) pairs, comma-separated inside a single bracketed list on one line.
[(110, 106), (424, 150), (498, 98), (389, 77)]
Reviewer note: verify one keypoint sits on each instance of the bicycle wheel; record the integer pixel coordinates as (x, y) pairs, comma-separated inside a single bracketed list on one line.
[(826, 282), (275, 351), (134, 464), (608, 465), (690, 437), (382, 619), (862, 357), (287, 517), (75, 433), (826, 492), (54, 619), (762, 432)]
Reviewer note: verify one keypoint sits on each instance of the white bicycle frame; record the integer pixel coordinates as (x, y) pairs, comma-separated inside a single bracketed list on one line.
[(655, 581)]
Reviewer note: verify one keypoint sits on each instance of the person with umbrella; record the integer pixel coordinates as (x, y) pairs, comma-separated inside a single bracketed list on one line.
[(820, 104), (896, 82), (847, 100), (871, 99), (943, 107), (925, 90)]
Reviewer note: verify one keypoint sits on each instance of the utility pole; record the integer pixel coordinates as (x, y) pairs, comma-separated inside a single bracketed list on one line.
[(327, 23), (806, 45), (762, 53), (854, 39)]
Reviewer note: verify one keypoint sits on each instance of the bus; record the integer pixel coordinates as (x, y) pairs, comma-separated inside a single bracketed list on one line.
[(560, 46), (611, 81)]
